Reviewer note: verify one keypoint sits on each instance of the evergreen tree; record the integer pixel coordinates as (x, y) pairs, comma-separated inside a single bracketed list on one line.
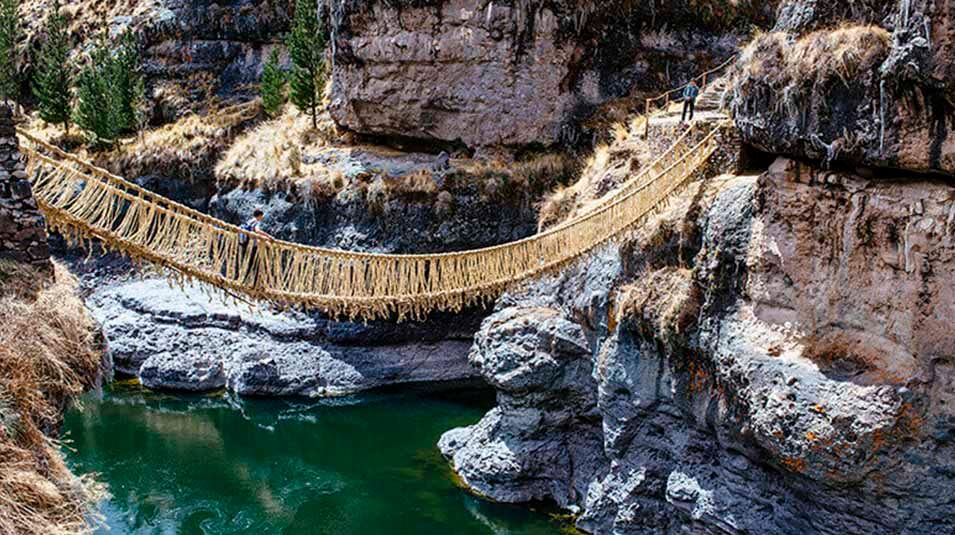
[(51, 82), (306, 46), (9, 34), (110, 91), (128, 83), (97, 112), (272, 86)]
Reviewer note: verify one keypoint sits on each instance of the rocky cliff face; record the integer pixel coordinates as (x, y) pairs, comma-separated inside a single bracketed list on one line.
[(185, 340), (193, 49), (879, 90), (787, 371), (483, 73)]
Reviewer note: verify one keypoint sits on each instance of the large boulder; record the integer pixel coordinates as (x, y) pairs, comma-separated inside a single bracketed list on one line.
[(543, 441), (482, 73), (876, 90), (188, 340)]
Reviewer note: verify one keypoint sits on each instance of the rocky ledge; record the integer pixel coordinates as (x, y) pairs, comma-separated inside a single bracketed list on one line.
[(870, 83), (772, 355), (194, 341)]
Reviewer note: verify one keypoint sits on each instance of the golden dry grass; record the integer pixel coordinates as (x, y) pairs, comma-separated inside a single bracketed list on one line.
[(47, 357), (270, 156), (186, 149), (843, 53), (607, 167), (518, 180), (558, 206)]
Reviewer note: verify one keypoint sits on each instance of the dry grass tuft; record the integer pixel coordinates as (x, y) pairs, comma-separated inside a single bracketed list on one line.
[(844, 52), (523, 179), (48, 356), (820, 56), (270, 156), (663, 303), (557, 207), (187, 148), (606, 168)]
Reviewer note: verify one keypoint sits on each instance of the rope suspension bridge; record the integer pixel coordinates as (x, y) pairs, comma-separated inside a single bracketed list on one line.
[(83, 201)]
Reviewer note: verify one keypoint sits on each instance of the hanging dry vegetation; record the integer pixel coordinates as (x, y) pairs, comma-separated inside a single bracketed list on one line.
[(48, 356)]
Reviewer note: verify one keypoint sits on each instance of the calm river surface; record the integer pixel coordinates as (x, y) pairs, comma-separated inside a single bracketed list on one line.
[(212, 465)]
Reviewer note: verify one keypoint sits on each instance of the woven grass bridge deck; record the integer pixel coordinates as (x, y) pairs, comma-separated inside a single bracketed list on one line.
[(83, 201)]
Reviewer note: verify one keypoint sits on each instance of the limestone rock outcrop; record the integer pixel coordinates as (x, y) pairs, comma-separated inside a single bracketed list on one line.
[(778, 361), (539, 362), (179, 340)]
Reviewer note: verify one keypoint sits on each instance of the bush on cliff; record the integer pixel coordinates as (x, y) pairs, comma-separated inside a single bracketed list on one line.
[(306, 46), (273, 85), (48, 356)]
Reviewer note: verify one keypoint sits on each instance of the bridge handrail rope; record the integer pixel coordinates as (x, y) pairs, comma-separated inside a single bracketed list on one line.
[(651, 104), (84, 201)]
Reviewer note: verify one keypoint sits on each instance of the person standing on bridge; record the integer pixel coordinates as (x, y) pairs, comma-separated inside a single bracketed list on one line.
[(689, 99), (248, 249)]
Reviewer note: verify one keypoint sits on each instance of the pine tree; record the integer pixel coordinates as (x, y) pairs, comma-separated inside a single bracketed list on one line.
[(97, 112), (306, 46), (128, 82), (51, 82), (272, 86), (9, 58), (110, 91)]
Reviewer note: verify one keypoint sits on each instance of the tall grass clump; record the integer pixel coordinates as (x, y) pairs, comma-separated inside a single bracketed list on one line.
[(48, 356)]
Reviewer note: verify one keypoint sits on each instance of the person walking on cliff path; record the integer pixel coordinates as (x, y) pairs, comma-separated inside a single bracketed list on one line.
[(689, 99), (247, 246)]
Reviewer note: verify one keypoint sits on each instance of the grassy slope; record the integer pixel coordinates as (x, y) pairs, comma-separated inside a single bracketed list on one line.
[(48, 356)]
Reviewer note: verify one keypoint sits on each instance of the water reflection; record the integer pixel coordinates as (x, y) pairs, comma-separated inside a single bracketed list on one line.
[(218, 465)]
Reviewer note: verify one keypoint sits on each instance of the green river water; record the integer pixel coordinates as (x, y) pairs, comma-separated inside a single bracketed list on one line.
[(214, 465)]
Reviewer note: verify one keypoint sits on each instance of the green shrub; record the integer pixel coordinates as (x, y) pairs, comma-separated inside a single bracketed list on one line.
[(9, 58), (110, 91), (306, 46)]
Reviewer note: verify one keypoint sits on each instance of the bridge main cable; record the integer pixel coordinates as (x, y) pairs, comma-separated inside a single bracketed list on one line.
[(84, 201)]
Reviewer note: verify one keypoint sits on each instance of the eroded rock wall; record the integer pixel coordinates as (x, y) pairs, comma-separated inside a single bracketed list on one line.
[(787, 371), (483, 73), (861, 83)]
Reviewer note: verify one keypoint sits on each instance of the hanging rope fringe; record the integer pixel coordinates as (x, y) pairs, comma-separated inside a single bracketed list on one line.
[(83, 202)]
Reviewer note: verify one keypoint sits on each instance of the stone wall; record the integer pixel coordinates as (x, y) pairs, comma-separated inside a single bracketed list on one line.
[(22, 227)]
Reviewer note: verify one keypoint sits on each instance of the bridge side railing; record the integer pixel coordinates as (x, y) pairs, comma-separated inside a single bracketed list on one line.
[(652, 105)]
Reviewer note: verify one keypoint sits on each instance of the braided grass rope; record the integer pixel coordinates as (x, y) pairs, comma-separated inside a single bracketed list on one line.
[(83, 201)]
